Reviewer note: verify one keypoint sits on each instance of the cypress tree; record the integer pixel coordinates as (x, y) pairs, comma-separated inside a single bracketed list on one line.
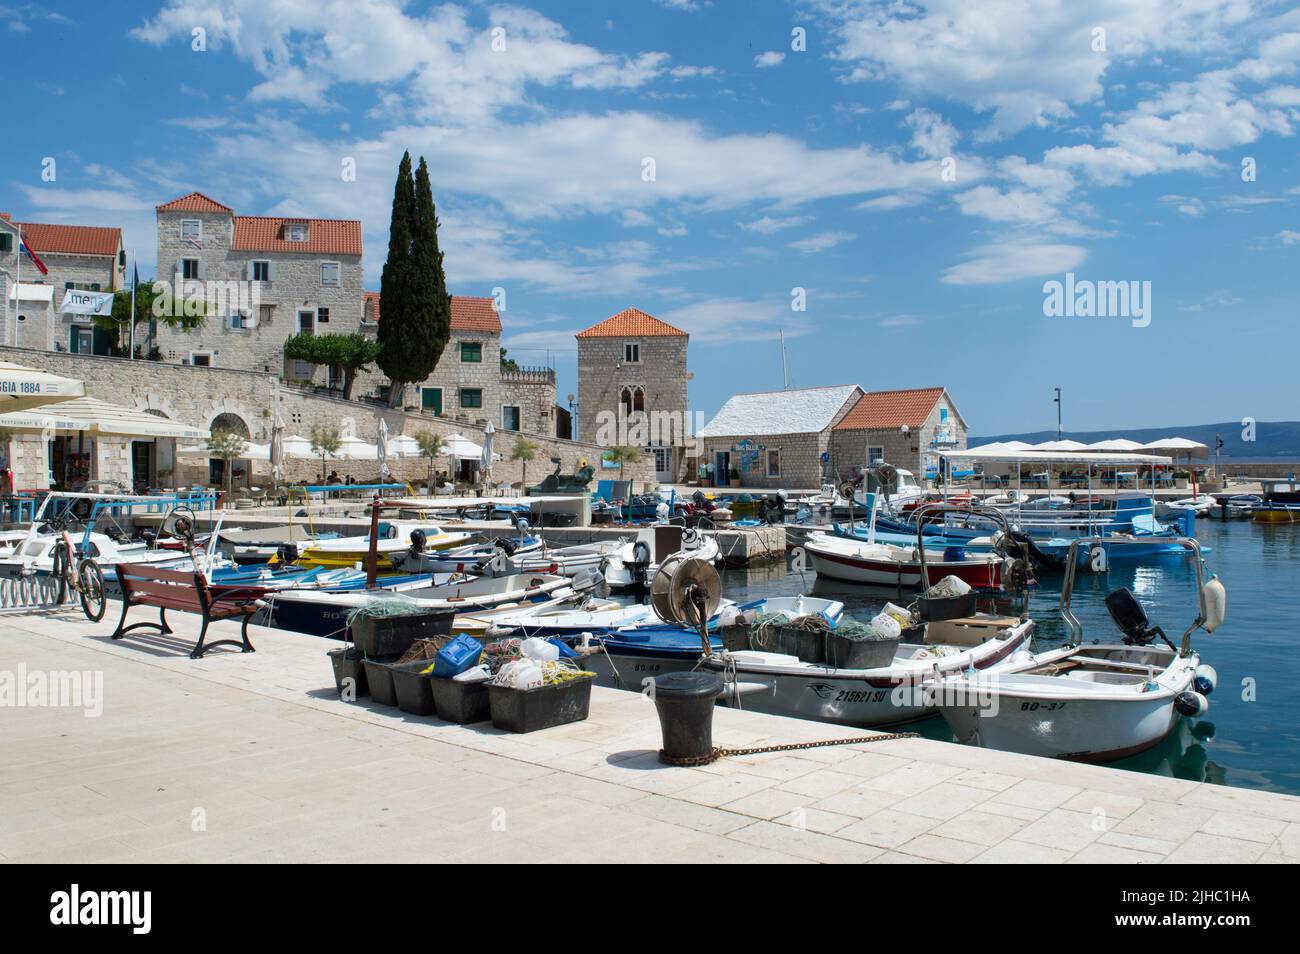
[(413, 278), (394, 288)]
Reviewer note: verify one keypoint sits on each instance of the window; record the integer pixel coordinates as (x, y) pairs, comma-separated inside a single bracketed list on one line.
[(6, 242), (190, 268), (510, 417), (471, 397), (323, 315), (191, 230), (471, 351), (296, 232), (261, 271), (329, 273), (631, 399), (773, 463), (632, 352), (264, 313), (307, 322), (240, 321), (875, 455), (431, 399), (201, 359)]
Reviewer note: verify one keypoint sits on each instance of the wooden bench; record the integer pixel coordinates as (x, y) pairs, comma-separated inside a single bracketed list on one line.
[(182, 590)]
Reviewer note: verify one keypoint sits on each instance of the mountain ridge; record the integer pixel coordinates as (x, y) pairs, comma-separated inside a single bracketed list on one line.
[(1272, 438)]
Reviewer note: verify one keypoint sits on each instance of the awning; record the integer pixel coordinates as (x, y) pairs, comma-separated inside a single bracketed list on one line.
[(90, 415), (25, 291), (1056, 457), (462, 448), (22, 388)]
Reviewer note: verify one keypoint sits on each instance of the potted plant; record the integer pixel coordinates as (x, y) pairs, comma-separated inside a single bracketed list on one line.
[(734, 476)]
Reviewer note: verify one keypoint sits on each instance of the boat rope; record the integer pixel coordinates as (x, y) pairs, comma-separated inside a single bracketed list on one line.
[(719, 752)]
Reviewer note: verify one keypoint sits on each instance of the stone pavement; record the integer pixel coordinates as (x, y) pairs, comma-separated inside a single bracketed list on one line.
[(253, 758)]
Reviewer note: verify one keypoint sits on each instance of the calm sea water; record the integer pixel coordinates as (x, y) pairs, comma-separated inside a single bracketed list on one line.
[(1250, 736)]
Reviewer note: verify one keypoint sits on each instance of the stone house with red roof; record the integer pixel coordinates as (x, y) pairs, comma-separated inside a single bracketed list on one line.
[(906, 428), (88, 258), (632, 388), (267, 278)]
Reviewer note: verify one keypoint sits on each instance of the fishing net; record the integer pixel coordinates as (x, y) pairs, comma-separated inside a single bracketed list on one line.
[(426, 648)]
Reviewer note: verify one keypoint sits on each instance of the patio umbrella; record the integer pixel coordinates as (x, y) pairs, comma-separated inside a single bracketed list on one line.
[(485, 459), (354, 448), (462, 448), (381, 451), (1121, 444), (404, 445), (22, 388), (1180, 447), (277, 453)]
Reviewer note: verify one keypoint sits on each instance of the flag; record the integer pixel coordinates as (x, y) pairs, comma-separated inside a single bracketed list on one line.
[(40, 266)]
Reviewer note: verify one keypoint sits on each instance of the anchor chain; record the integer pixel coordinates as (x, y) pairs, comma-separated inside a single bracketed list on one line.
[(719, 752)]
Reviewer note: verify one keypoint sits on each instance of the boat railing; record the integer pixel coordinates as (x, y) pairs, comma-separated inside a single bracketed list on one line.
[(1074, 625), (944, 508)]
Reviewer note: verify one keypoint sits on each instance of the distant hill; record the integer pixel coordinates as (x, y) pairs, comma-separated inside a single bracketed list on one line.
[(1273, 439)]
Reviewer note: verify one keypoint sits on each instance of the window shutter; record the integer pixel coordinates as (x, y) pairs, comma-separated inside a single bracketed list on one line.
[(251, 320), (203, 269), (270, 271)]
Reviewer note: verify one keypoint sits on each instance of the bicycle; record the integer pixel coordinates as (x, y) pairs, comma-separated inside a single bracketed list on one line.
[(86, 579)]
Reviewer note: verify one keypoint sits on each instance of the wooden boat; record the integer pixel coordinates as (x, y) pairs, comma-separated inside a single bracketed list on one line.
[(394, 537)]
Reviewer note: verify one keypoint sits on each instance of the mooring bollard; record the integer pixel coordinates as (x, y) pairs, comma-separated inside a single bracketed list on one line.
[(685, 701)]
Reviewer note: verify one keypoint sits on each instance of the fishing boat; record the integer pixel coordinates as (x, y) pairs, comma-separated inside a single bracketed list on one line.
[(1095, 702), (637, 560), (472, 558), (1200, 504), (783, 684), (1276, 513), (393, 538)]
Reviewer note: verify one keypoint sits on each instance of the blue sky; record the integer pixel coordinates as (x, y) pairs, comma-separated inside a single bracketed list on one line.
[(1116, 155)]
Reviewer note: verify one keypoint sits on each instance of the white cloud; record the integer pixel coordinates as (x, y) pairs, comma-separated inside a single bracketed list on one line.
[(768, 59), (718, 320), (1289, 236), (821, 242), (900, 321), (931, 135), (1011, 261), (769, 224)]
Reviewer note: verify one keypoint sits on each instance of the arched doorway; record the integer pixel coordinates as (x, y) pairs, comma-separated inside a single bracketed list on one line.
[(228, 423)]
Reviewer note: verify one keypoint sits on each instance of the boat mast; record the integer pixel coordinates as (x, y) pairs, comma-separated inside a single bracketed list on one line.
[(785, 368)]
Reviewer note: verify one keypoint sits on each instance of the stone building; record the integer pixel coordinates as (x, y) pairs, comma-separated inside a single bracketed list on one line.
[(632, 388), (216, 398), (271, 277), (906, 428), (88, 258), (777, 439), (469, 383)]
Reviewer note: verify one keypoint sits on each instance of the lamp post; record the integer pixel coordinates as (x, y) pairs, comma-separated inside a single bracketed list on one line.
[(1057, 401), (573, 418)]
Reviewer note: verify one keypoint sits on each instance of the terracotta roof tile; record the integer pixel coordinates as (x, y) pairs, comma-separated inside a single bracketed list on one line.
[(468, 313), (194, 202), (631, 323), (71, 239), (260, 233), (889, 409)]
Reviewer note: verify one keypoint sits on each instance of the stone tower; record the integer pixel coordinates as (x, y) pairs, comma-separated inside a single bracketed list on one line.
[(632, 382)]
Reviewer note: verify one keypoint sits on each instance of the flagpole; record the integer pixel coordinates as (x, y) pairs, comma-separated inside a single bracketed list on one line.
[(135, 273), (18, 282)]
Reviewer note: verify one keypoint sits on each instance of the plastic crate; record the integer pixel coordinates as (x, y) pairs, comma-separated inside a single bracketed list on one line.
[(412, 688), (379, 675), (347, 664), (389, 635), (528, 710), (460, 701)]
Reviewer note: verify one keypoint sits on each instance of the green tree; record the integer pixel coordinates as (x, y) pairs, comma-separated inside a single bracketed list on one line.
[(622, 454), (524, 451), (352, 353), (228, 446), (508, 364), (413, 299), (431, 446), (325, 443), (153, 302)]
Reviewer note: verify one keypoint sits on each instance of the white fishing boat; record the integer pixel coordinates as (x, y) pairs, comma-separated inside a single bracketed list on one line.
[(394, 537), (472, 558), (890, 694), (564, 561), (636, 561), (1096, 702), (1201, 505)]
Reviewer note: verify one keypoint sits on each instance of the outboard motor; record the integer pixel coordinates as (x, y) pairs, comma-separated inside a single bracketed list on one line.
[(1131, 619), (287, 553), (505, 544), (418, 541), (640, 565)]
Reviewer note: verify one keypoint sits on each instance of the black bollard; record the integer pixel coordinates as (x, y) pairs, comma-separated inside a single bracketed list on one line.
[(685, 702)]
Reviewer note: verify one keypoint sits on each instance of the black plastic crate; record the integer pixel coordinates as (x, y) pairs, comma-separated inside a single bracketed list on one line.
[(389, 635), (460, 701), (414, 691), (348, 664), (527, 710), (379, 675)]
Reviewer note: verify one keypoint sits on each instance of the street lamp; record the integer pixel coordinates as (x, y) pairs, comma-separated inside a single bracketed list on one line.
[(1057, 401)]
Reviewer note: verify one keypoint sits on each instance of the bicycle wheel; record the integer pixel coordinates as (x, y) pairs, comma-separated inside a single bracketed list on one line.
[(61, 571), (91, 580)]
